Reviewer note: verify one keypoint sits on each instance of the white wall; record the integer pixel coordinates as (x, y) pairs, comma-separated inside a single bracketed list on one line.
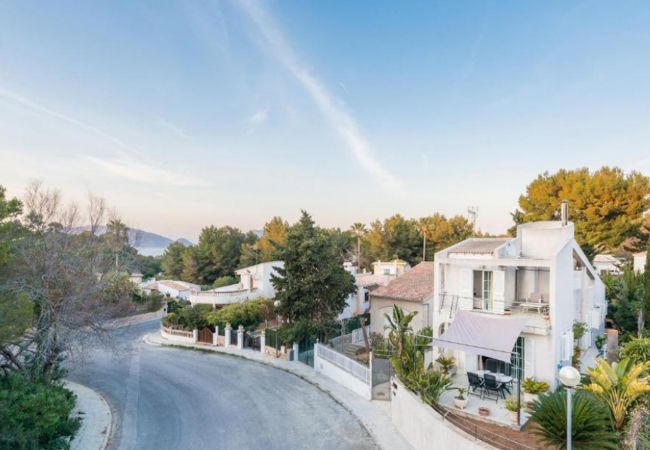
[(423, 427), (342, 377), (639, 262)]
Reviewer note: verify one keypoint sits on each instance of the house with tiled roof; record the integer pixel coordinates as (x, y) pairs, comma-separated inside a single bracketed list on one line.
[(412, 291)]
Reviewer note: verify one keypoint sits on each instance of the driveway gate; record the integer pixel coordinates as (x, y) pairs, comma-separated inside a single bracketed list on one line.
[(205, 335)]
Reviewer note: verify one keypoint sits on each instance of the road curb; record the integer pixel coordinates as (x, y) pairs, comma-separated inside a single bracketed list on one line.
[(340, 400), (97, 418)]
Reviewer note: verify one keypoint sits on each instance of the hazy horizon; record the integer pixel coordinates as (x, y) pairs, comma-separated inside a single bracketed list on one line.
[(228, 113)]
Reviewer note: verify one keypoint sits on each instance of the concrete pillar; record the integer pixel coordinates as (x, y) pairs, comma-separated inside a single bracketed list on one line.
[(240, 337), (262, 341), (195, 336), (228, 335), (296, 349), (215, 336)]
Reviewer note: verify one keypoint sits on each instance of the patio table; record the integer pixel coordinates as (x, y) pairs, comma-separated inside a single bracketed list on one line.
[(501, 378)]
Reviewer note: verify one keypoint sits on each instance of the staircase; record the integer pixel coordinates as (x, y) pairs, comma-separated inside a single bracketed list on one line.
[(350, 350)]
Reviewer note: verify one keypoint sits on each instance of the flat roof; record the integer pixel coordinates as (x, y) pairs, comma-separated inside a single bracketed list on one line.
[(479, 246)]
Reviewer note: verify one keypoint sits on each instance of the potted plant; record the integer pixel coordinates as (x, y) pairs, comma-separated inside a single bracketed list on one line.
[(533, 388), (483, 411), (512, 405), (446, 363), (460, 401), (600, 343)]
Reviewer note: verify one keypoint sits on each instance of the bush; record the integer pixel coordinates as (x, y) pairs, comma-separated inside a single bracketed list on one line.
[(637, 350), (432, 384), (531, 386), (249, 314), (35, 414), (591, 425), (188, 317), (225, 281)]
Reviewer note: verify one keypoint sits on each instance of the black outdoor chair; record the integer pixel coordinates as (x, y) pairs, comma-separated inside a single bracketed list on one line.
[(492, 365), (475, 382), (490, 384)]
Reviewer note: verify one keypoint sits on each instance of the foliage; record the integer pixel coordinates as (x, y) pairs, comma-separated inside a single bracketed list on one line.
[(461, 393), (16, 314), (532, 386), (600, 342), (172, 260), (579, 330), (512, 404), (188, 317), (226, 280), (354, 323), (637, 350), (249, 314), (151, 302), (220, 249), (35, 413), (626, 301), (446, 362), (606, 205), (381, 347), (591, 427), (619, 385), (312, 285), (431, 384), (399, 325), (274, 235)]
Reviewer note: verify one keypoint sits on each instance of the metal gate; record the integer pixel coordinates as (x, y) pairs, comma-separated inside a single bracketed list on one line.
[(382, 370), (205, 335), (252, 340), (306, 352)]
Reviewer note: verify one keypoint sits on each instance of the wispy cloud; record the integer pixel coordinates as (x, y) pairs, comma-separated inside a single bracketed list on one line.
[(256, 120), (172, 127), (340, 119), (128, 163), (144, 173)]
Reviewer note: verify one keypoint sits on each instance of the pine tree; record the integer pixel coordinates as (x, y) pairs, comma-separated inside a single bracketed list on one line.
[(313, 286)]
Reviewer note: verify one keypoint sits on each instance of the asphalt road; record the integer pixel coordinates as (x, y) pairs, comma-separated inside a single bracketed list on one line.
[(165, 398)]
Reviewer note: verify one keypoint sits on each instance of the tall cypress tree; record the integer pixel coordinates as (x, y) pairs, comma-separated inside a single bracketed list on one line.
[(313, 285)]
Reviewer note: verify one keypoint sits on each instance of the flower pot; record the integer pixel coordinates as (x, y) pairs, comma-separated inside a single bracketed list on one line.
[(513, 416), (460, 403), (483, 411)]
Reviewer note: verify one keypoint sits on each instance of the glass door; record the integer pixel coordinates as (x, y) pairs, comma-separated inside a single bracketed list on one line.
[(487, 290)]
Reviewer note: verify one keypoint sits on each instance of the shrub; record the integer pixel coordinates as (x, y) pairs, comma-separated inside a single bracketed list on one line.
[(35, 414), (512, 404), (188, 317), (591, 427), (249, 314), (445, 362), (225, 281), (531, 386), (600, 342), (637, 350), (432, 384)]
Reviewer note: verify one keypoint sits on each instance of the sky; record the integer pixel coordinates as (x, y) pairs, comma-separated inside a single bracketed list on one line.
[(184, 114)]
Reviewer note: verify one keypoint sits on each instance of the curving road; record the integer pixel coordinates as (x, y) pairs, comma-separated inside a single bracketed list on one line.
[(164, 398)]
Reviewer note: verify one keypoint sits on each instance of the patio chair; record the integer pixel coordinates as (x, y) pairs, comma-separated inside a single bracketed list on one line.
[(492, 365), (490, 384), (475, 382)]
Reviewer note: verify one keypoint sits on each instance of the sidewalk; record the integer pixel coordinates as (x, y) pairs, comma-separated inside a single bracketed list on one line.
[(373, 415), (96, 418)]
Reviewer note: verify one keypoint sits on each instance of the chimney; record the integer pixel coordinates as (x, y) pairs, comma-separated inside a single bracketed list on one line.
[(564, 212)]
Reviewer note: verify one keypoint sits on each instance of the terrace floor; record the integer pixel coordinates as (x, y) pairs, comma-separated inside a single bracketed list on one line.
[(498, 412)]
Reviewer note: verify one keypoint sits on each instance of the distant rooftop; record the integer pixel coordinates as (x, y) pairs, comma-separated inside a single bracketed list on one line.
[(414, 285), (479, 246)]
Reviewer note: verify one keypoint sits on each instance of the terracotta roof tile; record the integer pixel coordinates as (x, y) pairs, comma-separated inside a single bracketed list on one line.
[(414, 285)]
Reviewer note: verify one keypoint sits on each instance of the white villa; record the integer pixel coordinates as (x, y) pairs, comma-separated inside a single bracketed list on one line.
[(254, 282), (607, 264), (171, 288), (508, 304)]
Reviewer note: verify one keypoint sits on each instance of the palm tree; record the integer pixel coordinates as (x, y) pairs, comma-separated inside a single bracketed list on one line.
[(399, 324), (424, 226), (591, 426), (359, 229), (619, 385)]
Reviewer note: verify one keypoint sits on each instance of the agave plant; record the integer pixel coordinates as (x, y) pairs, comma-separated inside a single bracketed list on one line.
[(591, 425), (619, 385)]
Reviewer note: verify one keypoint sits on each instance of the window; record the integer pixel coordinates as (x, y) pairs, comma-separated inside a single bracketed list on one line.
[(386, 271)]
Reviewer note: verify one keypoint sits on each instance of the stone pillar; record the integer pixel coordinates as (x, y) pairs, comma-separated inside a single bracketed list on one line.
[(215, 336), (240, 337), (195, 336), (228, 335), (262, 341), (296, 349)]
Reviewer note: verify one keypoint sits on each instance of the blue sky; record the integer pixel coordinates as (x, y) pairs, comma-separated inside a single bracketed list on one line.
[(185, 114)]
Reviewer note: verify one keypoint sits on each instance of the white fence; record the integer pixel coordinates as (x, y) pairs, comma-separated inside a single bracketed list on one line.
[(343, 370)]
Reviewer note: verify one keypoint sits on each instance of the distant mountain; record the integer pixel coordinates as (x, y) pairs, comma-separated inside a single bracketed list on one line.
[(145, 242)]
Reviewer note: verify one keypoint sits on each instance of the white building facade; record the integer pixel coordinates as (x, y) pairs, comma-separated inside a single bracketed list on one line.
[(254, 282), (541, 278), (639, 262)]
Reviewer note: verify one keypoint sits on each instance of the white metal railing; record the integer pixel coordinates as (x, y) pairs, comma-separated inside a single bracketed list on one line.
[(349, 365)]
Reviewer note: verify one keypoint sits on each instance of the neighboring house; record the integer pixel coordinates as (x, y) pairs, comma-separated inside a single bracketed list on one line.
[(412, 291), (510, 303), (639, 262), (359, 302), (171, 288), (136, 277), (395, 267), (607, 264), (254, 282)]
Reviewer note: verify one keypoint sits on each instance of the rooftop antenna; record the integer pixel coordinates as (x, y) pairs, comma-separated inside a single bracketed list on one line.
[(472, 214)]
